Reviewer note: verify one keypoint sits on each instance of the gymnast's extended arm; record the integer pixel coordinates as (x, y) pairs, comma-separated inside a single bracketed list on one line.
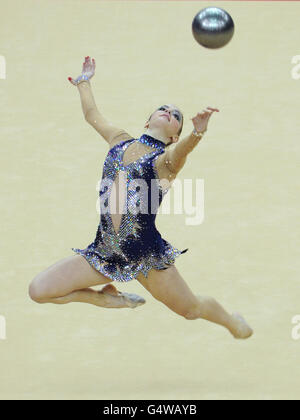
[(92, 115), (175, 158), (108, 131)]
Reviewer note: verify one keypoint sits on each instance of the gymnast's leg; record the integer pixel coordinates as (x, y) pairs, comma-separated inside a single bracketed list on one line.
[(169, 287), (70, 280)]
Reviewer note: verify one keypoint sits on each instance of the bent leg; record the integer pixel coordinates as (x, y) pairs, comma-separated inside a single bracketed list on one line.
[(67, 275), (169, 287), (70, 279)]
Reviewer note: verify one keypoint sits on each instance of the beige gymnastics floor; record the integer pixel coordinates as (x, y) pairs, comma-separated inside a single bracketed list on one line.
[(245, 253)]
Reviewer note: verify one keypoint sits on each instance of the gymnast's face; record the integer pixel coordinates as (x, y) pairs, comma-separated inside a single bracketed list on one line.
[(168, 118)]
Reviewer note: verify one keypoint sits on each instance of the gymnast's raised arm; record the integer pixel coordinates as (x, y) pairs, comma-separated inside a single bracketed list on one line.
[(176, 157), (90, 111)]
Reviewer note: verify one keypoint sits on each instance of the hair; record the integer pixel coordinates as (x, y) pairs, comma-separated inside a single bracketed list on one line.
[(179, 131)]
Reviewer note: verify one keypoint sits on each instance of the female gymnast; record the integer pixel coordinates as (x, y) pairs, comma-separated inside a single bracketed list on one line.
[(127, 245)]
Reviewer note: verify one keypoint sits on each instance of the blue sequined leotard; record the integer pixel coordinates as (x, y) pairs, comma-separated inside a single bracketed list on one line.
[(136, 246)]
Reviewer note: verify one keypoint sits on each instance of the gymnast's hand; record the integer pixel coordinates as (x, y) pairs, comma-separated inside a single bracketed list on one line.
[(88, 71), (200, 121)]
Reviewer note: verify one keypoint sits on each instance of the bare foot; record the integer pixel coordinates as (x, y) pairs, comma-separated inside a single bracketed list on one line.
[(243, 330), (122, 299)]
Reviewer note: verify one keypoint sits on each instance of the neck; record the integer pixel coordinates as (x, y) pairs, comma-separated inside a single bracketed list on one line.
[(157, 135)]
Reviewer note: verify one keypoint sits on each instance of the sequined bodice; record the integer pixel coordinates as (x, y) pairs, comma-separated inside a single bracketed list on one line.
[(130, 193)]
